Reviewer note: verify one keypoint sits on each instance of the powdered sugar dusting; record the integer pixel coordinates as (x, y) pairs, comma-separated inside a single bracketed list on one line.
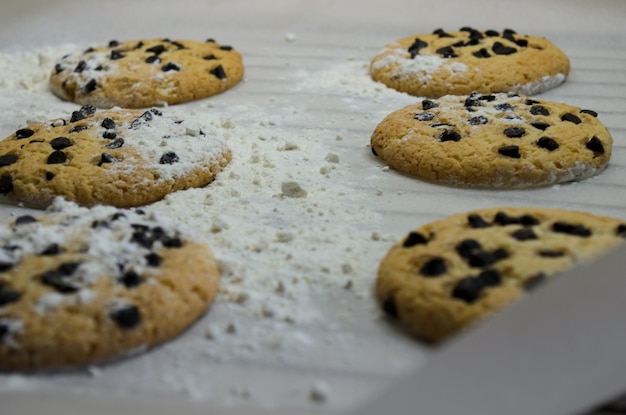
[(540, 85)]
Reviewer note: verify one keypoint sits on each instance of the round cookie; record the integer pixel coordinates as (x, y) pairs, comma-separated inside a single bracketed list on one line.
[(145, 73), (79, 286), (117, 157), (458, 63), (498, 141), (449, 274)]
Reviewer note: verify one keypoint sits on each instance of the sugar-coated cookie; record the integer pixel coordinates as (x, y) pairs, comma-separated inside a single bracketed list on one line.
[(495, 141), (458, 63), (80, 285), (146, 73), (117, 157), (451, 273)]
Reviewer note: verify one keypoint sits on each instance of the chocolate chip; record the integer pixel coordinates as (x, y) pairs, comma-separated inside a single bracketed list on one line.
[(467, 247), (531, 102), (433, 267), (172, 242), (595, 145), (139, 45), (477, 222), (59, 278), (534, 281), (108, 123), (23, 133), (524, 234), (449, 135), (510, 151), (416, 46), (109, 135), (428, 104), (58, 68), (389, 307), (153, 260), (471, 102), (113, 43), (8, 159), (621, 230), (226, 48), (546, 253), (571, 118), (492, 33), (153, 59), (157, 49), (414, 238), (141, 238), (210, 57), (468, 289), (499, 49), (547, 143), (482, 53), (52, 249), (514, 132), (25, 220), (374, 151), (81, 66), (169, 158), (590, 112), (78, 128), (441, 33), (4, 331), (478, 120), (90, 86), (505, 106), (540, 125), (127, 317), (481, 259), (503, 219), (571, 229), (490, 277), (60, 143), (539, 110), (115, 143), (170, 66), (50, 175), (529, 220), (106, 158), (6, 184), (116, 54), (219, 72), (446, 52), (56, 157), (424, 116), (130, 279), (8, 296), (522, 42)]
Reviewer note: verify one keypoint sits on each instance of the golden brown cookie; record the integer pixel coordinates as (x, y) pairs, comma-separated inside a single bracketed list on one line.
[(458, 63), (117, 157), (498, 141), (146, 73), (79, 286), (449, 274)]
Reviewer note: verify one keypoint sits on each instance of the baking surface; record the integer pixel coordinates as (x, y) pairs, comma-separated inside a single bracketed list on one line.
[(295, 326)]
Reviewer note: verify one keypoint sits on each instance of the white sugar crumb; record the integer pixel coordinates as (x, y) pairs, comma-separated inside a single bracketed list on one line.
[(292, 189), (290, 37), (319, 391)]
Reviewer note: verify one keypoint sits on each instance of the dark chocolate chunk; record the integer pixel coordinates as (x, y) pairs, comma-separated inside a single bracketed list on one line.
[(108, 123), (539, 110), (5, 266), (130, 279), (210, 57), (540, 125), (139, 45), (424, 116), (468, 289), (141, 238), (52, 249), (106, 158), (59, 278), (50, 175), (490, 277), (481, 259), (447, 52), (153, 59), (170, 66), (116, 54), (433, 267), (487, 98), (78, 128), (56, 157), (568, 116), (467, 247), (428, 104), (374, 151), (547, 253), (522, 42), (531, 102), (127, 317), (115, 143), (441, 33), (500, 254), (476, 221), (595, 145), (621, 230), (534, 281), (8, 159), (171, 242), (81, 66), (499, 49), (153, 260), (109, 135), (547, 143), (169, 158), (524, 234), (479, 120), (58, 68), (218, 72), (8, 296), (113, 43), (90, 86), (389, 307), (503, 219), (4, 331), (416, 46), (414, 238), (440, 124), (226, 48), (449, 135), (25, 220), (571, 229), (510, 151), (492, 33), (514, 132), (528, 220), (23, 133), (482, 53), (505, 106), (471, 102), (590, 112), (157, 50), (6, 184), (60, 143)]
